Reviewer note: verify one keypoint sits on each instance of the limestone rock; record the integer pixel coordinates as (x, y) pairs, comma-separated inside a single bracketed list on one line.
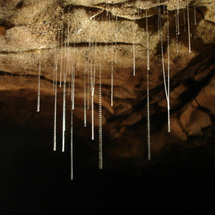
[(89, 34), (194, 120), (206, 97)]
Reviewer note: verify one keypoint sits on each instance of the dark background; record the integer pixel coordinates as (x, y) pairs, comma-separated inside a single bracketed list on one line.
[(36, 180)]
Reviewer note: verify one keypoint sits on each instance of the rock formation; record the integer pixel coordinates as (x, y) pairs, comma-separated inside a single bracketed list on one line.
[(83, 34)]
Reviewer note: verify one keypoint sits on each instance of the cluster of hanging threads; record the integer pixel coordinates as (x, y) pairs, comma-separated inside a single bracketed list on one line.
[(67, 68)]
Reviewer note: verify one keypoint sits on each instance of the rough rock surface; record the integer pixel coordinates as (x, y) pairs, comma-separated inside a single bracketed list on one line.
[(30, 30)]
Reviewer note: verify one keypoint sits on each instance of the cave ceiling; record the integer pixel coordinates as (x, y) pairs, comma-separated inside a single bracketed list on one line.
[(111, 36)]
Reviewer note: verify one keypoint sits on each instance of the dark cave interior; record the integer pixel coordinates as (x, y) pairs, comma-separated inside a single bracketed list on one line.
[(35, 180), (39, 45)]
